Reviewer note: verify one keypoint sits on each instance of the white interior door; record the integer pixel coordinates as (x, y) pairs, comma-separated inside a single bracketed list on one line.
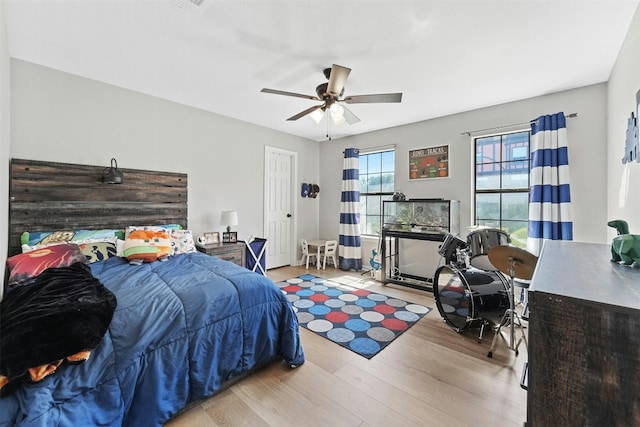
[(278, 205)]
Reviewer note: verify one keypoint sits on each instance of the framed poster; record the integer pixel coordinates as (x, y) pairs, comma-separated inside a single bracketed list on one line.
[(427, 163)]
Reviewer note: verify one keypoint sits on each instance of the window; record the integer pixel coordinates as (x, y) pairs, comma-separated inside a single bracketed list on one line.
[(502, 184), (377, 172)]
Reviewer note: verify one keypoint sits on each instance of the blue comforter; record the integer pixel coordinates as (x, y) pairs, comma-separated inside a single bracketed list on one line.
[(181, 328)]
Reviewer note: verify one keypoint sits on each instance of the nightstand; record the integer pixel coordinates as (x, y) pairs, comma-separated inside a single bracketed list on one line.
[(234, 252)]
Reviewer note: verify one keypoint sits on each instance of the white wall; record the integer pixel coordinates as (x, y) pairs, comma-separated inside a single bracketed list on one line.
[(60, 117), (624, 180), (587, 151), (5, 142)]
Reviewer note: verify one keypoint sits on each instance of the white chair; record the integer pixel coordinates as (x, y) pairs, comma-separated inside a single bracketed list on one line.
[(305, 253), (329, 252)]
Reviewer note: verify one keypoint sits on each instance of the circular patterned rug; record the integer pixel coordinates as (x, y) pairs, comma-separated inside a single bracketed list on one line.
[(362, 321)]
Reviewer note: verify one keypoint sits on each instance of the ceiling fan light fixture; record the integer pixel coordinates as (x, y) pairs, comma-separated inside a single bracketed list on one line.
[(337, 114), (338, 121), (317, 115), (330, 94)]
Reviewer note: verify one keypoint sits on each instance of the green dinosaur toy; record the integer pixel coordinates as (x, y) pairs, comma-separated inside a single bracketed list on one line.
[(625, 247)]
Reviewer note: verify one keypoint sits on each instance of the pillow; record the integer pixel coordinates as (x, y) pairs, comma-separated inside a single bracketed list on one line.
[(46, 237), (146, 244), (171, 226), (120, 247), (121, 234), (23, 267), (132, 228), (42, 239), (98, 251), (182, 242)]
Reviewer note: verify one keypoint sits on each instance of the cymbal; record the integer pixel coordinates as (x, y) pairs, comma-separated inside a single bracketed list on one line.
[(524, 263)]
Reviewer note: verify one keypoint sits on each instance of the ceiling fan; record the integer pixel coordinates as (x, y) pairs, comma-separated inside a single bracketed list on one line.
[(331, 93)]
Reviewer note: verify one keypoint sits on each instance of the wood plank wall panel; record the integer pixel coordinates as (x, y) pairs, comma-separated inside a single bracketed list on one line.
[(46, 196)]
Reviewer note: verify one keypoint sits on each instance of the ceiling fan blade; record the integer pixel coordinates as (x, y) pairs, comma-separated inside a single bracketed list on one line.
[(337, 79), (370, 99), (305, 112), (351, 118), (282, 92)]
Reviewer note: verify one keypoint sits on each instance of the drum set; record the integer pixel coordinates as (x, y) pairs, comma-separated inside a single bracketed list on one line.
[(475, 287)]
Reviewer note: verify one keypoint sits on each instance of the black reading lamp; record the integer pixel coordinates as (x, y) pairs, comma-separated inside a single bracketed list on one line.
[(112, 175)]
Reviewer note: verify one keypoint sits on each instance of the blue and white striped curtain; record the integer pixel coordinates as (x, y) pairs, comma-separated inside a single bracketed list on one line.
[(550, 196), (350, 250)]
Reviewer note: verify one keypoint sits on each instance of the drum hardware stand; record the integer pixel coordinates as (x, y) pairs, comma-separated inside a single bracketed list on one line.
[(524, 300), (525, 263), (510, 315), (485, 322)]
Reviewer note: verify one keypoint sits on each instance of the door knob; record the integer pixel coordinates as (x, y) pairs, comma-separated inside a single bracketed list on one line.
[(288, 215)]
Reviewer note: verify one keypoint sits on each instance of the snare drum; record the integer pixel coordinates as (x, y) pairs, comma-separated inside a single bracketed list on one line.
[(448, 248), (470, 297), (480, 242)]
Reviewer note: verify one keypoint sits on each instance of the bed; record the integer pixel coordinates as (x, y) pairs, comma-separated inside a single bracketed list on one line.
[(181, 331)]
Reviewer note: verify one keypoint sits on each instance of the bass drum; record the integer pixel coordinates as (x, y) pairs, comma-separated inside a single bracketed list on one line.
[(470, 297)]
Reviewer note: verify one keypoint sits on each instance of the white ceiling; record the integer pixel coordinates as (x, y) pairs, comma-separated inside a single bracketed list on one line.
[(445, 56)]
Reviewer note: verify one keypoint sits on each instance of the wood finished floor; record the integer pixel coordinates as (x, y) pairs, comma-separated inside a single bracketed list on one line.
[(429, 376)]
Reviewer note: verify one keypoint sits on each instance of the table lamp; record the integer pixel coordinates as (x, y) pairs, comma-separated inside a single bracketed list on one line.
[(229, 218)]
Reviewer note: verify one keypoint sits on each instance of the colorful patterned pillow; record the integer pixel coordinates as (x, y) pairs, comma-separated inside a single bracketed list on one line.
[(23, 267), (41, 239), (182, 242), (61, 236), (146, 244), (171, 226), (46, 237), (98, 251)]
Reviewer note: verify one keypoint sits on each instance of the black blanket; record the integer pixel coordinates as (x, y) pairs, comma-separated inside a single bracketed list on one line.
[(64, 311)]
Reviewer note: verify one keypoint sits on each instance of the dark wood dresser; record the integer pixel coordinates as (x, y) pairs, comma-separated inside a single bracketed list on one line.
[(234, 252), (584, 338)]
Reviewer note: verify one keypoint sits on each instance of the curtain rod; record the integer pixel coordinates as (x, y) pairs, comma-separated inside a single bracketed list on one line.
[(469, 132), (378, 148)]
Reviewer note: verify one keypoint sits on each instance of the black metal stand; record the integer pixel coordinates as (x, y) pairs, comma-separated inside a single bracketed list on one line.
[(510, 318)]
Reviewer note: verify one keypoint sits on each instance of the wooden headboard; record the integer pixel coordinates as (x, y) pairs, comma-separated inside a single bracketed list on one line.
[(48, 196)]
